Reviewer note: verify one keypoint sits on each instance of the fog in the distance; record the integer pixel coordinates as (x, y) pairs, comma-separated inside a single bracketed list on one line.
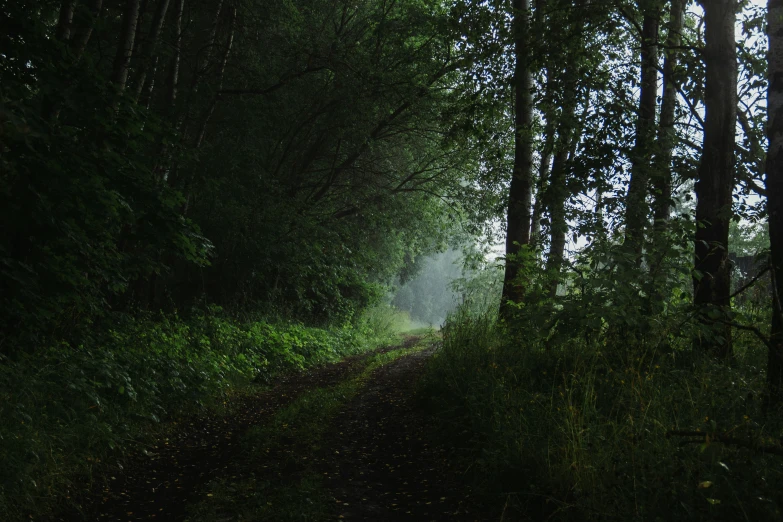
[(428, 296)]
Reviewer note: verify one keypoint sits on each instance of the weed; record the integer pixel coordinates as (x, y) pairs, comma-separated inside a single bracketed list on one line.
[(582, 429), (68, 413)]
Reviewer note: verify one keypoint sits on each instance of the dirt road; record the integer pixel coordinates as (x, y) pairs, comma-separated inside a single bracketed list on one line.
[(366, 452)]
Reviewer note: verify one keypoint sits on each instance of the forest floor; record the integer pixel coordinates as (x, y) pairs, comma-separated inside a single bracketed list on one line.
[(347, 441)]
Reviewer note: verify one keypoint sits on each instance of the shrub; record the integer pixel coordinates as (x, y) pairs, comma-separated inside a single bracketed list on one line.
[(67, 410), (586, 427)]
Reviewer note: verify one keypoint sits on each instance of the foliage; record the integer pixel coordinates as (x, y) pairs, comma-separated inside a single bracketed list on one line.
[(570, 408), (276, 157), (748, 239), (83, 215), (68, 411)]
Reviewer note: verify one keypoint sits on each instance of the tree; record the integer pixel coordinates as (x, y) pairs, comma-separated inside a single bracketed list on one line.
[(667, 137), (521, 188), (774, 186), (642, 154), (711, 279)]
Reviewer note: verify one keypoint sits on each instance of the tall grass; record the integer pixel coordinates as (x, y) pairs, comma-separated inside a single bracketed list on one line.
[(579, 427)]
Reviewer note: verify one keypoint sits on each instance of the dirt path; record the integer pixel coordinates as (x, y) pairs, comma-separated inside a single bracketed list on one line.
[(381, 461), (376, 460)]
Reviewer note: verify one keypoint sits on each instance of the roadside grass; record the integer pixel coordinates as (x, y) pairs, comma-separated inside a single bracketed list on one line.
[(68, 414), (574, 429), (278, 481)]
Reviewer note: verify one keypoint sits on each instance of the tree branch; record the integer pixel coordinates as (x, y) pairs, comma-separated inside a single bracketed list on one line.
[(750, 283)]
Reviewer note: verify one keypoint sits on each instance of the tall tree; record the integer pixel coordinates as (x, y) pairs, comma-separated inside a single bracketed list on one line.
[(641, 157), (662, 175), (542, 181), (65, 20), (89, 18), (147, 57), (557, 192), (122, 58), (774, 185), (548, 141), (520, 191), (711, 280)]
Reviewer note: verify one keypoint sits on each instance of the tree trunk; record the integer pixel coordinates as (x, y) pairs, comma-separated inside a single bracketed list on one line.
[(211, 109), (544, 169), (715, 183), (202, 65), (145, 97), (520, 191), (220, 74), (662, 177), (138, 39), (774, 185), (148, 51), (641, 157), (557, 192), (65, 20), (173, 80), (85, 25), (119, 75), (184, 120), (544, 166)]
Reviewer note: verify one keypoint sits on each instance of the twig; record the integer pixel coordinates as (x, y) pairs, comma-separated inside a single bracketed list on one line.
[(750, 283), (764, 339)]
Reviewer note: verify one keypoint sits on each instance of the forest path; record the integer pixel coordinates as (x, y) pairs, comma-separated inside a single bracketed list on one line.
[(364, 451), (381, 460)]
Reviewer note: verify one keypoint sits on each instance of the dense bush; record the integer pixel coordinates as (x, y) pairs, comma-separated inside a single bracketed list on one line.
[(68, 409), (579, 412)]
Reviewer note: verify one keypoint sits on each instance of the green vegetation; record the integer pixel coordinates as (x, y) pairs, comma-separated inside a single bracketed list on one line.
[(68, 412), (197, 196), (584, 408)]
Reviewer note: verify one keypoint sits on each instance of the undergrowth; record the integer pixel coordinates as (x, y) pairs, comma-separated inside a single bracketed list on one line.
[(67, 412), (567, 426)]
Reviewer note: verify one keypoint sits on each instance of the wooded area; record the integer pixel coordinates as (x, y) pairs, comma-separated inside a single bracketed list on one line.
[(201, 195)]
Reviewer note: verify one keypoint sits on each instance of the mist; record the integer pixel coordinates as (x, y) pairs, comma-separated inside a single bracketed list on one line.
[(429, 295)]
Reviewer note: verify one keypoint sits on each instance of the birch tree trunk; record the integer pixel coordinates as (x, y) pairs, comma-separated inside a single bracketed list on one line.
[(557, 192), (662, 177), (547, 149), (211, 109), (65, 20), (544, 169), (147, 60), (84, 28), (173, 81), (220, 74), (121, 66)]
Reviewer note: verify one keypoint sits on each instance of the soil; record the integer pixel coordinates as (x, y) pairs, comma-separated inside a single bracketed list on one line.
[(383, 462), (380, 460)]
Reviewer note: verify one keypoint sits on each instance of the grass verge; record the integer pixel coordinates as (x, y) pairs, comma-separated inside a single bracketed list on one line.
[(68, 413), (574, 429)]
